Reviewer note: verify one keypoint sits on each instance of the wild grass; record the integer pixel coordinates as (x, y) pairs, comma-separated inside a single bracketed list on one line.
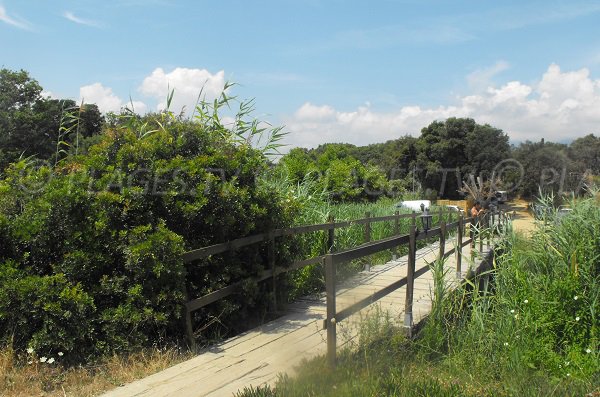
[(528, 327), (315, 208), (29, 376)]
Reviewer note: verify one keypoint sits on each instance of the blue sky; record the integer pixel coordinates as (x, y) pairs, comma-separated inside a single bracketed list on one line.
[(330, 70)]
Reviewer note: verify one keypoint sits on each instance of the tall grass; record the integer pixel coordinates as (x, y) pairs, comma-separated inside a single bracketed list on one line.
[(314, 207), (529, 327)]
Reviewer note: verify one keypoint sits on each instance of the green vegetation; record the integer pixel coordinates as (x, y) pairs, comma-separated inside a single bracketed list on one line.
[(529, 327), (33, 125), (91, 247), (95, 212)]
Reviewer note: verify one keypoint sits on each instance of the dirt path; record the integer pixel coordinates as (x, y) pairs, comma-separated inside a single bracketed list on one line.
[(523, 221)]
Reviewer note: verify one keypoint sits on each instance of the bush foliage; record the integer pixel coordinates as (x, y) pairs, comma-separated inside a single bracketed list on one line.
[(90, 259)]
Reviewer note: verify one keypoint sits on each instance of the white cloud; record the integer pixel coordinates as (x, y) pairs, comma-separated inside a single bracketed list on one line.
[(81, 21), (482, 78), (16, 22), (188, 85), (561, 105), (106, 100)]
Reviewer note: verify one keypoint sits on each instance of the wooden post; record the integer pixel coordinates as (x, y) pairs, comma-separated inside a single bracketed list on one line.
[(331, 322), (367, 236), (442, 235), (396, 233), (479, 234), (189, 329), (330, 235), (410, 275), (472, 236), (459, 238), (488, 228), (368, 227)]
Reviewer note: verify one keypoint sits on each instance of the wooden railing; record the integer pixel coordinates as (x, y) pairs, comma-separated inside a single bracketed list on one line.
[(480, 228), (329, 259)]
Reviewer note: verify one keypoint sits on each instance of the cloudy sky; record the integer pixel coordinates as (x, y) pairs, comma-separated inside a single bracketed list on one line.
[(329, 70)]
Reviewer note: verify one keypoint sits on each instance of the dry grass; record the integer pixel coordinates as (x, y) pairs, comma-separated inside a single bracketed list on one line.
[(30, 377)]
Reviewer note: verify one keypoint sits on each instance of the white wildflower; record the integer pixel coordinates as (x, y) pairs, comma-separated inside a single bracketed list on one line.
[(30, 350), (43, 359), (505, 343), (588, 350), (60, 354), (51, 360), (577, 318), (575, 297), (512, 310), (526, 301)]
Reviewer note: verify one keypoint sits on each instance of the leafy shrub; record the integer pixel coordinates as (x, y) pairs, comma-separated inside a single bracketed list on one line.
[(90, 258)]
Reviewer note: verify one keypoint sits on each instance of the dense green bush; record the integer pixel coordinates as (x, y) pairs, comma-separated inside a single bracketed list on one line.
[(90, 258)]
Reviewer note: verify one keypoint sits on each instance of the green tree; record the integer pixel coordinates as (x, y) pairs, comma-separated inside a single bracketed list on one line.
[(545, 167), (31, 124), (447, 151), (18, 96), (585, 154)]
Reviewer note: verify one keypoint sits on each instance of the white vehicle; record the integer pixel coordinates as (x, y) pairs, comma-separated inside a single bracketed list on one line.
[(415, 205)]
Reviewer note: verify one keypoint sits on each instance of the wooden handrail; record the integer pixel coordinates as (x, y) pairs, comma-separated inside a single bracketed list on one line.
[(366, 249), (207, 251)]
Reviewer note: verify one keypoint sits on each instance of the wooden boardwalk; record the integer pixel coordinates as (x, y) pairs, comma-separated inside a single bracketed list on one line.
[(256, 357)]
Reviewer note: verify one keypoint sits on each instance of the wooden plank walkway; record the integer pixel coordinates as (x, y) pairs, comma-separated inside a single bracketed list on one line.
[(256, 357)]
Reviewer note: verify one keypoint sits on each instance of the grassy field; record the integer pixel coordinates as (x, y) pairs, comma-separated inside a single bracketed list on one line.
[(531, 330)]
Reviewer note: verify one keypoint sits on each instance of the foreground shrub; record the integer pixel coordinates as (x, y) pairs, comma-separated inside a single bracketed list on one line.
[(90, 259)]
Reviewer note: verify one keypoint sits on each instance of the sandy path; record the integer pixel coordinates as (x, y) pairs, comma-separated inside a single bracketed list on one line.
[(523, 221)]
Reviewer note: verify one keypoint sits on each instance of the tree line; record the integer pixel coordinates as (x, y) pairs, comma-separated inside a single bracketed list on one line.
[(446, 153), (434, 164)]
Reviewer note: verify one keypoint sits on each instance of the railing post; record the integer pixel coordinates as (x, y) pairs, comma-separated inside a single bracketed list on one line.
[(442, 235), (472, 236), (189, 330), (488, 228), (368, 236), (330, 235), (368, 227), (331, 322), (459, 239), (479, 232), (410, 275), (396, 233)]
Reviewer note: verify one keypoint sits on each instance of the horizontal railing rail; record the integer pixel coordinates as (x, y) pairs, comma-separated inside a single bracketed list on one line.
[(366, 249), (331, 261)]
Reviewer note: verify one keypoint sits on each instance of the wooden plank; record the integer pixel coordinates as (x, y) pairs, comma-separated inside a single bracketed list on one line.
[(369, 249), (214, 296), (347, 312), (223, 247)]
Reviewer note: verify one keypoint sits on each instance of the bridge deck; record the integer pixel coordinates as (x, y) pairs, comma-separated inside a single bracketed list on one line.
[(257, 356)]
